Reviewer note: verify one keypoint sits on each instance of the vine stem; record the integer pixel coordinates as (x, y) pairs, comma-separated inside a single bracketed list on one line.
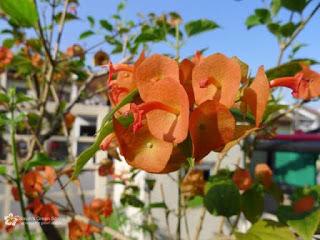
[(18, 178)]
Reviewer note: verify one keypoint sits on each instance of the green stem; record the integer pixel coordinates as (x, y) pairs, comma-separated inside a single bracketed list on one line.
[(177, 46), (178, 233), (18, 178)]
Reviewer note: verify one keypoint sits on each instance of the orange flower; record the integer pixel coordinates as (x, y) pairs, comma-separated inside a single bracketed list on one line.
[(15, 193), (32, 183), (69, 119), (37, 60), (185, 71), (75, 51), (211, 126), (242, 178), (77, 229), (257, 95), (48, 212), (216, 77), (48, 173), (6, 56), (304, 85), (304, 204), (264, 174), (98, 207), (193, 184)]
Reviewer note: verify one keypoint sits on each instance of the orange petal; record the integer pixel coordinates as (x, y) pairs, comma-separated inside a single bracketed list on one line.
[(256, 96), (211, 127), (156, 68), (186, 67), (142, 150), (165, 125), (223, 75), (309, 90)]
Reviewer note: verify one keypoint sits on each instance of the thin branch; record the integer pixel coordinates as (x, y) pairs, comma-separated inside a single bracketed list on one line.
[(200, 223)]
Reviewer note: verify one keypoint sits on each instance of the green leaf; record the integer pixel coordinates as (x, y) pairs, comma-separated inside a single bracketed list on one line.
[(21, 12), (288, 29), (91, 21), (68, 17), (86, 34), (223, 199), (266, 230), (158, 205), (105, 130), (275, 6), (252, 21), (263, 15), (132, 200), (41, 159), (294, 5), (3, 169), (106, 25), (195, 202), (199, 26), (150, 34), (8, 43), (274, 28), (252, 203), (4, 98), (306, 226)]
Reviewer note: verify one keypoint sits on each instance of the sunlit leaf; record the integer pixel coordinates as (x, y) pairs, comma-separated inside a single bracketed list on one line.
[(86, 34), (199, 26), (41, 159)]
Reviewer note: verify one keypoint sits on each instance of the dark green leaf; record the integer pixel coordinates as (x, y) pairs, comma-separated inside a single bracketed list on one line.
[(198, 26), (106, 25), (41, 159), (266, 230), (86, 34), (22, 12), (263, 14), (223, 199), (294, 5), (252, 203), (68, 17), (288, 29), (91, 21), (158, 205), (274, 28), (150, 34), (8, 43), (132, 200)]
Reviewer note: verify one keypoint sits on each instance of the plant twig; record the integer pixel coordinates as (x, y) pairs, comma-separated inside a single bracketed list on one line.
[(200, 223)]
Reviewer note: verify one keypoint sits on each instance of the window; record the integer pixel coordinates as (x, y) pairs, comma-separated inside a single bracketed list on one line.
[(88, 125), (58, 149)]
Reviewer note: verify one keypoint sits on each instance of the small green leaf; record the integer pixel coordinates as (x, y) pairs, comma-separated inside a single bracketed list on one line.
[(132, 200), (3, 169), (266, 230), (150, 34), (86, 34), (4, 98), (158, 205), (41, 159), (21, 12), (274, 28), (252, 203), (196, 201), (199, 26), (223, 199), (252, 21), (8, 43), (263, 15), (68, 17), (91, 21), (294, 5), (275, 6), (307, 226), (288, 29), (106, 25)]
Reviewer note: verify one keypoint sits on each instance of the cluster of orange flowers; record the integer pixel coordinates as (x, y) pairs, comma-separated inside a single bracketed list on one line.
[(242, 177), (6, 57), (97, 208), (176, 100)]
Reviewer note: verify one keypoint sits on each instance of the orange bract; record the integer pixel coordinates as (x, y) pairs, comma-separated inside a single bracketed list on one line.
[(167, 125), (256, 96), (142, 150), (304, 85), (154, 69), (211, 127), (304, 204), (32, 183), (186, 67), (15, 193), (216, 77), (69, 119), (77, 229), (49, 173), (242, 178), (264, 174), (193, 184)]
